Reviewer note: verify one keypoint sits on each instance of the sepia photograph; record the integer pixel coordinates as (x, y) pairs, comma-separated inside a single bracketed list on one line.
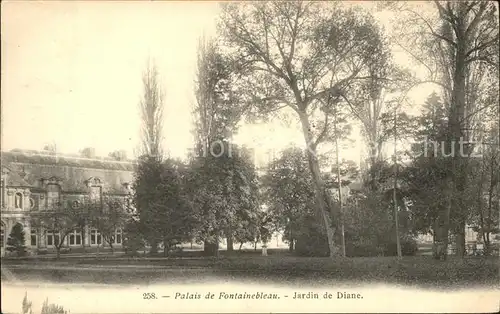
[(250, 157)]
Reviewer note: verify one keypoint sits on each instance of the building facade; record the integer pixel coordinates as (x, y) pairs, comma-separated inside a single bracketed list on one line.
[(32, 182)]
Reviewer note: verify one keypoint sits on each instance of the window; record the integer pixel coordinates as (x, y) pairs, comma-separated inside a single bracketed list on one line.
[(34, 237), (95, 194), (18, 200), (75, 204), (32, 204), (75, 238), (52, 238), (118, 236), (2, 235), (1, 193), (53, 191), (95, 237)]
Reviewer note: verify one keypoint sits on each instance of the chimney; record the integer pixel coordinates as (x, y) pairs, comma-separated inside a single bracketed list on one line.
[(88, 152), (123, 155)]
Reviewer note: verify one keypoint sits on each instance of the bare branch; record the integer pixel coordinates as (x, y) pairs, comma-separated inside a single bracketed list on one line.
[(448, 40), (323, 132), (477, 18), (482, 46)]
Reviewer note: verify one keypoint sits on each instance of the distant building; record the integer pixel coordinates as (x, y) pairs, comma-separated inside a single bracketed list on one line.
[(33, 181)]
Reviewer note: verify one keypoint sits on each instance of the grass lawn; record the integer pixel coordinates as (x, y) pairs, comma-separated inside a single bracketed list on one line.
[(418, 270)]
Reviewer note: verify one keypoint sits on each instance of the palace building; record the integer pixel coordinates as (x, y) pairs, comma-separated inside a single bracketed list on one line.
[(33, 181)]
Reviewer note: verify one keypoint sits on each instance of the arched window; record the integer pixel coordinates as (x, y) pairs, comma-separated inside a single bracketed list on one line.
[(95, 237), (118, 236), (52, 238), (75, 238), (18, 200)]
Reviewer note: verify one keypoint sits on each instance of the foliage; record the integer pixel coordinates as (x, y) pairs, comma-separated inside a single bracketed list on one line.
[(61, 219), (303, 56), (217, 110), (224, 195), (133, 237), (151, 108), (147, 191), (27, 305), (310, 238), (222, 177), (107, 218), (52, 308), (163, 210), (16, 240), (458, 45), (288, 192), (173, 211)]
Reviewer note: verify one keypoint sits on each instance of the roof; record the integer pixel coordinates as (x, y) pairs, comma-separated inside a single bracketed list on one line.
[(46, 158), (27, 169), (14, 178)]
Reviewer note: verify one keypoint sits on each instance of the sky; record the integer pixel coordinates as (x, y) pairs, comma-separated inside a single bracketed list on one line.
[(71, 75)]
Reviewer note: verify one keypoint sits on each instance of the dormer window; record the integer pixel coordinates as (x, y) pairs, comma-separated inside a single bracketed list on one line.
[(53, 195), (96, 194), (95, 190)]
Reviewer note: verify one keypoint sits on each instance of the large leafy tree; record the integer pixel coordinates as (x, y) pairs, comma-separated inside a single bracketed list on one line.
[(147, 193), (222, 174), (288, 193), (173, 208), (301, 56), (224, 196), (459, 47), (425, 175)]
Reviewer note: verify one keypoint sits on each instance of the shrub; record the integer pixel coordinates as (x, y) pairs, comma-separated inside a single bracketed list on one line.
[(311, 240), (409, 247), (16, 241)]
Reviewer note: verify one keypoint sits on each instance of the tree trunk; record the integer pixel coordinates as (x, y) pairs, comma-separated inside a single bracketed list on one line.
[(324, 205), (154, 247), (82, 230), (166, 248), (487, 244), (460, 239), (210, 248), (241, 244), (441, 230), (230, 241), (455, 134), (487, 229), (58, 252)]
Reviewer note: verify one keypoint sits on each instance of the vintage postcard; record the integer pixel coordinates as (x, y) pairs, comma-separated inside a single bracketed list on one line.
[(247, 157)]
